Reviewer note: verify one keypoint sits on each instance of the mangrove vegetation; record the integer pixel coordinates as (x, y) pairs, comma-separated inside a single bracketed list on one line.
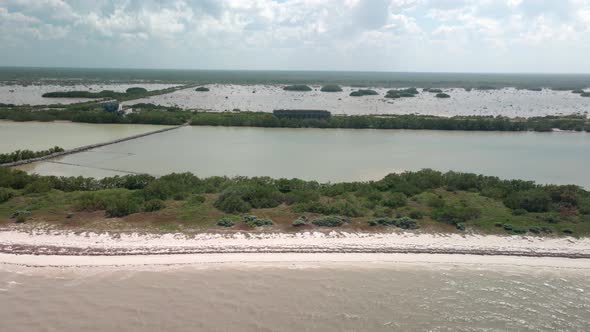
[(331, 88), (363, 92), (408, 121), (426, 199), (19, 155), (297, 87)]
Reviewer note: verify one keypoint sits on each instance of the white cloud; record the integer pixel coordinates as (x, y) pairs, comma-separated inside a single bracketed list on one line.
[(302, 34)]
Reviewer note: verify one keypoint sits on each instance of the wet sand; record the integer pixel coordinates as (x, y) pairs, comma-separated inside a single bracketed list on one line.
[(266, 98)]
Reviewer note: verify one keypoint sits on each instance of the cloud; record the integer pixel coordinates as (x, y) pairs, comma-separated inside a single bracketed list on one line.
[(297, 34)]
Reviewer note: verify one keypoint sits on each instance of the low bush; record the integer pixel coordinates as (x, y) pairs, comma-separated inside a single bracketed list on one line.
[(331, 88), (455, 214), (533, 200), (395, 200), (519, 212), (300, 221), (442, 95), (519, 230), (115, 202), (567, 231), (38, 186), (363, 92), (416, 214), (21, 216), (196, 199), (153, 205), (328, 221), (432, 90), (297, 87), (121, 208), (402, 222), (225, 222), (254, 221), (136, 90), (6, 194), (535, 229), (401, 93), (202, 89)]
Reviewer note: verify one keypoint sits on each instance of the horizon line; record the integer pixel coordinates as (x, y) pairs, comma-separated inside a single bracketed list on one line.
[(297, 70)]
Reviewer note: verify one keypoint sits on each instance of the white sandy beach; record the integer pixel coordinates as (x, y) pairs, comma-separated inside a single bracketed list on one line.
[(59, 248)]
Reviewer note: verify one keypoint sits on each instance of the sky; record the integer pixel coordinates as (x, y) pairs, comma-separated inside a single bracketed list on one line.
[(545, 36)]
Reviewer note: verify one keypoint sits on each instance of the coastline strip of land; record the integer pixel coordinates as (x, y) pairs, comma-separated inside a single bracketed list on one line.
[(64, 243)]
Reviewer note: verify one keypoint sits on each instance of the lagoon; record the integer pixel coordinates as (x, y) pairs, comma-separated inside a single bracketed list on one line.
[(334, 154), (43, 135)]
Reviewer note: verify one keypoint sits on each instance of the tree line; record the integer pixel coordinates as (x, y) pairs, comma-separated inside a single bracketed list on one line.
[(19, 155)]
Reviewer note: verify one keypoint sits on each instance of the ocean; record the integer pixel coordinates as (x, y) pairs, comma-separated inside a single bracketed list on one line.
[(291, 297), (385, 79)]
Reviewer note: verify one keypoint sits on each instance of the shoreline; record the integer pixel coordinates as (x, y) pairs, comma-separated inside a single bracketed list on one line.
[(42, 248), (289, 261)]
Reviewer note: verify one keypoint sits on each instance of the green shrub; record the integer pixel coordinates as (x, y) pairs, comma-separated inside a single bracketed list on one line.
[(382, 212), (256, 196), (363, 92), (225, 222), (402, 222), (196, 199), (121, 208), (232, 203), (21, 218), (442, 95), (301, 196), (328, 221), (519, 230), (395, 200), (400, 93), (179, 196), (38, 187), (460, 226), (546, 230), (254, 221), (202, 89), (533, 200), (552, 219), (300, 221), (297, 87), (567, 231), (455, 214), (136, 90), (578, 91), (508, 227), (416, 214), (406, 223), (432, 90), (115, 202), (331, 88), (153, 205), (5, 194), (435, 201), (519, 212), (535, 229)]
